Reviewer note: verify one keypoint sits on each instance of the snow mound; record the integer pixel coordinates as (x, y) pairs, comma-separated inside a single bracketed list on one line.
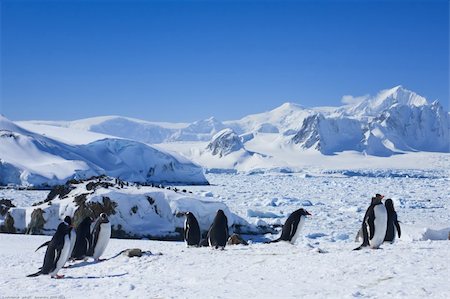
[(134, 211)]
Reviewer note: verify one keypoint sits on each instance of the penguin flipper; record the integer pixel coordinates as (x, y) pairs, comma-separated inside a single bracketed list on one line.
[(399, 231), (294, 227), (371, 223), (43, 245), (35, 274)]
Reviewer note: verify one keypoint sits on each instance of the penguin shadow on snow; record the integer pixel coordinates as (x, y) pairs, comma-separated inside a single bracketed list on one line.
[(96, 277)]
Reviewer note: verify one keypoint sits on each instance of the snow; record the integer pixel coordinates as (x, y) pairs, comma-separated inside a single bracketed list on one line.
[(322, 262), (328, 160), (138, 211), (29, 158)]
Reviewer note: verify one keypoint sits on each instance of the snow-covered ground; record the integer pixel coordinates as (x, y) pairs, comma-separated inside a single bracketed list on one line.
[(408, 270), (322, 263)]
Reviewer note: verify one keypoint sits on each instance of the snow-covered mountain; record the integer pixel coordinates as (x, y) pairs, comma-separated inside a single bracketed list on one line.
[(28, 158), (393, 121), (225, 142)]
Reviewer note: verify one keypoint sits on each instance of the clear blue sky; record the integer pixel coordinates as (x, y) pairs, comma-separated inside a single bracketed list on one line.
[(188, 60)]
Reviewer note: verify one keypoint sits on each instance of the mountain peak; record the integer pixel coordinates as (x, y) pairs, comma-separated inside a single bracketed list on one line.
[(386, 98), (288, 106)]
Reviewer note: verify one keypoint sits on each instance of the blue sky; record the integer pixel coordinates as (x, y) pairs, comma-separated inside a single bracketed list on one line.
[(188, 60)]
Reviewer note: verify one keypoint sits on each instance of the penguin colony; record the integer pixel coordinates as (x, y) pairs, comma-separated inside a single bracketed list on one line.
[(380, 224)]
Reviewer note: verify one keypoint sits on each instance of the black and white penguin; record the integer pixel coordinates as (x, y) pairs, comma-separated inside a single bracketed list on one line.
[(374, 224), (83, 239), (218, 232), (72, 235), (58, 252), (100, 237), (393, 226), (291, 228), (191, 230)]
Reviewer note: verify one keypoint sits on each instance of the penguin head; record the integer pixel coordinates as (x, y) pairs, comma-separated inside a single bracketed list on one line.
[(389, 204), (68, 221), (103, 218), (377, 199), (304, 212)]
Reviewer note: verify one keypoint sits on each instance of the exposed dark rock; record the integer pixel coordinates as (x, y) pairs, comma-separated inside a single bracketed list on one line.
[(8, 225), (5, 205), (108, 207), (80, 199), (133, 252), (94, 185), (81, 213), (37, 222), (61, 190)]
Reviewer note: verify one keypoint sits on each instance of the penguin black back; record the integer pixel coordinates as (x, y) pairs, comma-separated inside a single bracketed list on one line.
[(191, 230), (54, 249), (392, 222), (218, 232), (291, 225), (83, 240)]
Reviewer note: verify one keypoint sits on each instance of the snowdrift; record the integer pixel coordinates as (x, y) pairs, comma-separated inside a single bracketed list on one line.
[(135, 211)]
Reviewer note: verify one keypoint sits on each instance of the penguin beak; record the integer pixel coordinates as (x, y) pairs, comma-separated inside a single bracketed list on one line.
[(308, 213)]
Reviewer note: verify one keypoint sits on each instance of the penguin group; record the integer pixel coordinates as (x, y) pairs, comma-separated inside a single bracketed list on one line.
[(380, 223), (217, 235), (73, 243)]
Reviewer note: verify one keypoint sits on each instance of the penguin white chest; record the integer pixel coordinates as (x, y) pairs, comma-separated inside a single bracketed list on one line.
[(380, 224), (299, 228), (63, 257), (73, 237), (103, 239)]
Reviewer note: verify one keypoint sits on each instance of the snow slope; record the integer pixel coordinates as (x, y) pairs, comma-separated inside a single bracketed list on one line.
[(29, 158)]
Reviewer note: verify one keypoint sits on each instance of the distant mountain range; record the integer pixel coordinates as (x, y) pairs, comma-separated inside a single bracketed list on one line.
[(392, 122), (28, 158)]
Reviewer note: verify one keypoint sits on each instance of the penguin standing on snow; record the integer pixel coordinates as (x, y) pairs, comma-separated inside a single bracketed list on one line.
[(58, 252), (72, 235), (292, 226), (218, 232), (191, 230), (374, 224), (393, 226), (83, 239), (100, 237)]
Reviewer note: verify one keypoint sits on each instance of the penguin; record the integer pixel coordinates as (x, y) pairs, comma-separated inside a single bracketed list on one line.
[(58, 252), (100, 237), (292, 226), (83, 239), (72, 235), (218, 232), (393, 226), (374, 224), (191, 230)]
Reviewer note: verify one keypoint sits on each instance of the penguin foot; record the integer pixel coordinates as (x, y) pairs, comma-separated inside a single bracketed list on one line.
[(58, 276)]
